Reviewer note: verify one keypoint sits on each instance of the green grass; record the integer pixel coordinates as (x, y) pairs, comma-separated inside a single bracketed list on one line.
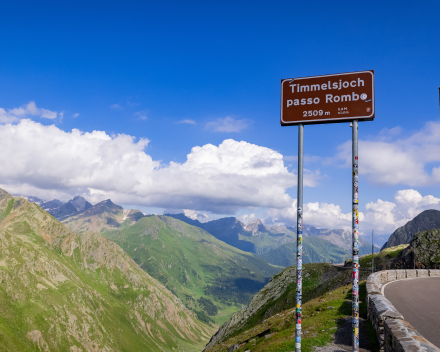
[(318, 321), (313, 286), (5, 213), (380, 258)]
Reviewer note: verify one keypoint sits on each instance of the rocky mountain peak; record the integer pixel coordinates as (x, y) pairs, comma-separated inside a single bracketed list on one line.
[(255, 226), (80, 203), (426, 220)]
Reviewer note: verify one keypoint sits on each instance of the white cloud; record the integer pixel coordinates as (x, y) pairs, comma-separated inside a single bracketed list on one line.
[(76, 115), (197, 215), (383, 217), (406, 160), (31, 109), (228, 124), (190, 122), (115, 106), (40, 160), (321, 215), (247, 218)]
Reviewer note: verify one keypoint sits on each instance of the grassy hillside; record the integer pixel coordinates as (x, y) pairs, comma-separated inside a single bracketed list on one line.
[(319, 324), (382, 260), (63, 291), (315, 250), (280, 294), (211, 277)]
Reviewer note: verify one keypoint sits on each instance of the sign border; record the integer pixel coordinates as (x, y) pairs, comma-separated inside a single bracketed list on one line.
[(333, 120)]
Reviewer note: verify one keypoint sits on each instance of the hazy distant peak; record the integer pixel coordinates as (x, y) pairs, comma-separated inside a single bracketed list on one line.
[(80, 203)]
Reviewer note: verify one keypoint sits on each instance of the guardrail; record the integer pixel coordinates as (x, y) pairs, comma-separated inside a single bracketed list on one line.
[(392, 331)]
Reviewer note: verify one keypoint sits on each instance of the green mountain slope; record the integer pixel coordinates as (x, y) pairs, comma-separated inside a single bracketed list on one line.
[(205, 273), (280, 294), (61, 291), (321, 327), (315, 250)]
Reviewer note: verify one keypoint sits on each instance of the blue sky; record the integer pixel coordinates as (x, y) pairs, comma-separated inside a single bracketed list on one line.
[(140, 68)]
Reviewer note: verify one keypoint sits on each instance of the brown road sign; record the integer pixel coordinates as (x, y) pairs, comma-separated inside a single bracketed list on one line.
[(327, 99)]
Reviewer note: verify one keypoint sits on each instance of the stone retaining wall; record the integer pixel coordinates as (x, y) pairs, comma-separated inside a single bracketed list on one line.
[(392, 331)]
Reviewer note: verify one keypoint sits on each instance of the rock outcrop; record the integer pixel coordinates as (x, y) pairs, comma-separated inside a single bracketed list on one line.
[(427, 220)]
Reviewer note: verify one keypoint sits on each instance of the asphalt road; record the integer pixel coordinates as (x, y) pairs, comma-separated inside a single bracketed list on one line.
[(418, 300)]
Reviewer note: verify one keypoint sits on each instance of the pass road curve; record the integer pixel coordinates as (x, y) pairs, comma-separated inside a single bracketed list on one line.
[(418, 300)]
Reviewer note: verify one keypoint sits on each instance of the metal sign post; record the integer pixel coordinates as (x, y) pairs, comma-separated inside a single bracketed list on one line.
[(299, 238), (342, 97), (372, 251), (355, 238)]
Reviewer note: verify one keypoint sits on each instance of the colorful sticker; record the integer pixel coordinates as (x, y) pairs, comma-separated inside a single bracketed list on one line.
[(298, 338)]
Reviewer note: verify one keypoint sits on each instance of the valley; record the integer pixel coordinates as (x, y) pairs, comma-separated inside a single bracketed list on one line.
[(209, 276)]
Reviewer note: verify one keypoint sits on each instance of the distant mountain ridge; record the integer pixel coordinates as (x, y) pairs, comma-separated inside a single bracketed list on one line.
[(79, 215), (426, 220), (255, 237), (274, 242)]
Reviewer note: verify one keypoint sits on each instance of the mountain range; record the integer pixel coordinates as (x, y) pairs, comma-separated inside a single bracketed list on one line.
[(255, 237), (270, 241), (213, 267)]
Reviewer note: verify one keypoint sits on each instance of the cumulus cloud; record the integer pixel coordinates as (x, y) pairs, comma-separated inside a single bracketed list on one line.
[(228, 124), (247, 218), (30, 109), (413, 160), (384, 217), (190, 122), (197, 215), (39, 160), (321, 215)]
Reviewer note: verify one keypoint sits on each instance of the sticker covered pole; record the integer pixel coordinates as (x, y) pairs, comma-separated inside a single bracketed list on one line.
[(299, 231), (355, 238)]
